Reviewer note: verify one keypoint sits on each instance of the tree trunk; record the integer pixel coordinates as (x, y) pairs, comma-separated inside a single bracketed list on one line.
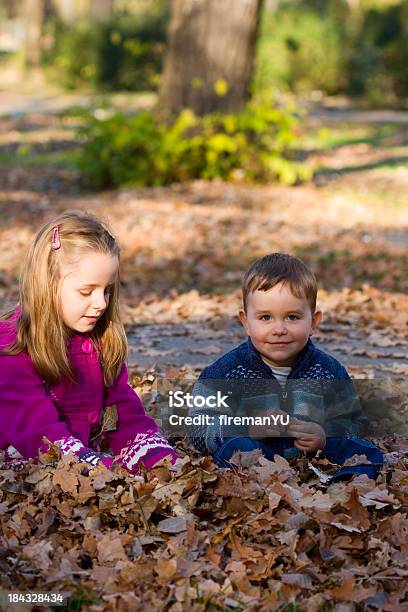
[(67, 10), (101, 10), (33, 18), (210, 57), (72, 11)]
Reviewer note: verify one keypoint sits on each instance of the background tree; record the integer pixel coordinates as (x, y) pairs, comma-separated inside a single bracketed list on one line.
[(101, 9), (211, 52), (33, 13), (33, 17), (67, 10), (71, 11)]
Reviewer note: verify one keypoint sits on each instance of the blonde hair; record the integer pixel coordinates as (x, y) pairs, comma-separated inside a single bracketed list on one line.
[(40, 329)]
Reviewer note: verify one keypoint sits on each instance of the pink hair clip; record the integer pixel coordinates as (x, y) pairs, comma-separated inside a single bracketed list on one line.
[(56, 238)]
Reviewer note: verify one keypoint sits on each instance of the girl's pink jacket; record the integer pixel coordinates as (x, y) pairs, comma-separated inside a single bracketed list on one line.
[(29, 411)]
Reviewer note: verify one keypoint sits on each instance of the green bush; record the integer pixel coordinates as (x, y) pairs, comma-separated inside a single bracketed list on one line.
[(256, 144), (124, 53), (378, 60), (299, 50), (329, 46)]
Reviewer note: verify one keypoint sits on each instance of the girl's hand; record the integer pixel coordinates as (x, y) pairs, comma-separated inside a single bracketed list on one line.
[(310, 436), (170, 462), (84, 454), (94, 458), (149, 448)]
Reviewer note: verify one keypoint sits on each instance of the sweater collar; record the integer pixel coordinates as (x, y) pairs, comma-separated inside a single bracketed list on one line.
[(303, 359)]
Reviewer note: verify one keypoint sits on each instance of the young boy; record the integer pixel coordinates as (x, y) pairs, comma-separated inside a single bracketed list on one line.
[(279, 372)]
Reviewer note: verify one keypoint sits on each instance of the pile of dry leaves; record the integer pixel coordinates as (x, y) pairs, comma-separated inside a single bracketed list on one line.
[(260, 536)]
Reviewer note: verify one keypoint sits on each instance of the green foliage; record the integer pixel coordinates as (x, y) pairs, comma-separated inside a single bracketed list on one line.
[(378, 61), (330, 46), (335, 46), (256, 144), (124, 53), (300, 50)]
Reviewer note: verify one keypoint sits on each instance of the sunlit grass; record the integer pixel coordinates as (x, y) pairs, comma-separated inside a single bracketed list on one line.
[(327, 138), (26, 156)]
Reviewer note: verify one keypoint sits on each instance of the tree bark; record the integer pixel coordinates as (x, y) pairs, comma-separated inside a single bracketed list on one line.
[(101, 10), (211, 49), (72, 11), (67, 10), (33, 17)]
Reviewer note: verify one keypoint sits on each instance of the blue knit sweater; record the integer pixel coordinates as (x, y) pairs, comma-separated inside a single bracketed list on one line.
[(318, 388)]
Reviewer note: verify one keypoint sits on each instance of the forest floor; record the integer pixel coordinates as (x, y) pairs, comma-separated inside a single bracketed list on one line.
[(270, 534)]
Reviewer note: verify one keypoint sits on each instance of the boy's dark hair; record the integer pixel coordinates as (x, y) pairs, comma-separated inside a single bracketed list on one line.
[(272, 269)]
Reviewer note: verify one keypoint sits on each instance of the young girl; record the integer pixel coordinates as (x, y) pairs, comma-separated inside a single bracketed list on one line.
[(63, 352)]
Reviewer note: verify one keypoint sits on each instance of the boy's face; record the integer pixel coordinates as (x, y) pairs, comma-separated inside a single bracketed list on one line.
[(278, 323)]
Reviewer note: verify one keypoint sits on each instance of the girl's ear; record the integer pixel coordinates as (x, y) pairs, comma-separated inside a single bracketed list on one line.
[(316, 319), (244, 320)]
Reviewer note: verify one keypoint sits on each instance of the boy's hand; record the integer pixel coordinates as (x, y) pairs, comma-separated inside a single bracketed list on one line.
[(310, 436), (257, 432)]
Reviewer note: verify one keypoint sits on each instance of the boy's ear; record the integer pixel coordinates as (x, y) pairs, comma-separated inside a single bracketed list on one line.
[(316, 319), (243, 319)]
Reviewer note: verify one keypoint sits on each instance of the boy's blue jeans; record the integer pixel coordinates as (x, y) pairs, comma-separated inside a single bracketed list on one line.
[(337, 450)]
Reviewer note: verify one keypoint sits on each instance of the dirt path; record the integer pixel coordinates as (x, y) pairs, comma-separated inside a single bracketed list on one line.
[(185, 345), (13, 104)]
